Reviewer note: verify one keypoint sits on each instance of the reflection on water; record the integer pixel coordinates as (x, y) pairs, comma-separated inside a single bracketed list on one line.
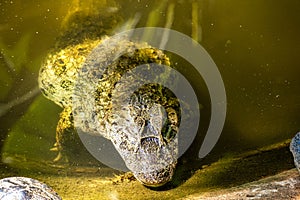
[(254, 44)]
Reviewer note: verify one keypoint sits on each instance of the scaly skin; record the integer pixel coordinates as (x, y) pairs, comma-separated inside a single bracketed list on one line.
[(143, 133)]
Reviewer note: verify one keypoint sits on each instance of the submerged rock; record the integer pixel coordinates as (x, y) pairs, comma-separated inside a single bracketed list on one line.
[(22, 188), (295, 149), (280, 187)]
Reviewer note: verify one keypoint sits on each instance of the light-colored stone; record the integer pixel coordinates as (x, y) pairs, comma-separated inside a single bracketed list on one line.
[(283, 186), (18, 188)]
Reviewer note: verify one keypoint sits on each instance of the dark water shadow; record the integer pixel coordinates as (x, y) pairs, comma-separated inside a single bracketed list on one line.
[(232, 171)]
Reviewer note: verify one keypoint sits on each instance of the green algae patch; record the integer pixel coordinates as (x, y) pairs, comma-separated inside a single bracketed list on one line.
[(34, 134)]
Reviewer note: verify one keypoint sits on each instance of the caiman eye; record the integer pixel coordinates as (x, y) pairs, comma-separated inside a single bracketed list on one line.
[(171, 124)]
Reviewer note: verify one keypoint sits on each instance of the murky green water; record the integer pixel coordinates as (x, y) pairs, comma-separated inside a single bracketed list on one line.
[(254, 43)]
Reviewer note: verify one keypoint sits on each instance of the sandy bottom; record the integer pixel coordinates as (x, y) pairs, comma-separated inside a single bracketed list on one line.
[(230, 177)]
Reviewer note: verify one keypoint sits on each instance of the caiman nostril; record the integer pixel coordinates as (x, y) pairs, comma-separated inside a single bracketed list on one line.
[(150, 144)]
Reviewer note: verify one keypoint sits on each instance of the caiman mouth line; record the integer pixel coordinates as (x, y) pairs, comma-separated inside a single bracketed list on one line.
[(156, 178)]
